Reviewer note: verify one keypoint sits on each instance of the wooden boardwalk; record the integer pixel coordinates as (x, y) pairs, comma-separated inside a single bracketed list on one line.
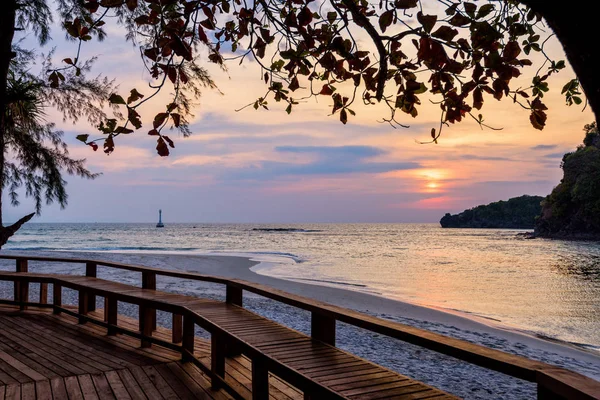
[(52, 350), (46, 356)]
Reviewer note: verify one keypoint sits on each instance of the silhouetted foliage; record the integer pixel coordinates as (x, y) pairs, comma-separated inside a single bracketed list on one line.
[(572, 210), (516, 213)]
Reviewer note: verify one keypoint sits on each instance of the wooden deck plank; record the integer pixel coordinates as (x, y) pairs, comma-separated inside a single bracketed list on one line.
[(191, 384), (28, 391), (72, 387), (203, 381), (59, 391), (131, 384), (102, 387), (117, 385), (87, 387), (142, 379), (178, 387), (159, 383), (13, 392), (43, 390)]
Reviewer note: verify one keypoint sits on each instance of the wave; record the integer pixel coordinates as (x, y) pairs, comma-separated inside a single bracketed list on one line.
[(105, 248), (329, 281), (293, 230), (297, 259)]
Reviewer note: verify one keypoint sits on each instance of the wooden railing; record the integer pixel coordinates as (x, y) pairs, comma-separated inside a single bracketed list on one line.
[(552, 382)]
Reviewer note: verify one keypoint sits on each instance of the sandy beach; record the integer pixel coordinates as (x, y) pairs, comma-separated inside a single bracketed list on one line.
[(448, 374)]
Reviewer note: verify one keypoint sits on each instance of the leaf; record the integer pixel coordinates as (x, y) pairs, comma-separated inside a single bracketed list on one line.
[(131, 4), (305, 16), (159, 119), (202, 34), (176, 119), (123, 130), (459, 20), (538, 119), (68, 61), (445, 33), (511, 51), (331, 16), (343, 116), (109, 144), (294, 84), (386, 19), (153, 132), (327, 90), (427, 21), (161, 147), (405, 4), (134, 95), (93, 145), (485, 10), (82, 138), (116, 99), (171, 144)]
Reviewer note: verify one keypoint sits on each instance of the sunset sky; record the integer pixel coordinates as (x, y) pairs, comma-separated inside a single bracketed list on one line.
[(267, 166)]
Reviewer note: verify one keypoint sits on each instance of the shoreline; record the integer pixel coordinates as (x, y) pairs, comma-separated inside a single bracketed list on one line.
[(419, 363), (367, 302)]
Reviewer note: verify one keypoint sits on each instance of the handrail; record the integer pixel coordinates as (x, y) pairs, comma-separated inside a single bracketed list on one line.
[(550, 379)]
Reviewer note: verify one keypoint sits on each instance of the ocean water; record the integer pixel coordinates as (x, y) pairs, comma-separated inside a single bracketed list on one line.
[(548, 288)]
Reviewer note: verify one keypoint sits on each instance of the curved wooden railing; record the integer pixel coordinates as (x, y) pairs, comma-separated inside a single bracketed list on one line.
[(552, 382)]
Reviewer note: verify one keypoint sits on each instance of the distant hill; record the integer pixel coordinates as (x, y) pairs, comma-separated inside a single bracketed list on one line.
[(572, 210), (516, 213)]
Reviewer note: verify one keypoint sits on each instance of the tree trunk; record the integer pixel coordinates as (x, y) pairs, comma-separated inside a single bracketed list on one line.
[(7, 231), (576, 29), (8, 10)]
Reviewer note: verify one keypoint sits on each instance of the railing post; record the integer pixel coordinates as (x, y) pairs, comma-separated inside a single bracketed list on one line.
[(543, 393), (189, 337), (146, 324), (43, 293), (110, 314), (91, 270), (177, 328), (322, 328), (83, 305), (148, 282), (260, 381), (217, 359), (234, 295), (21, 289), (56, 297)]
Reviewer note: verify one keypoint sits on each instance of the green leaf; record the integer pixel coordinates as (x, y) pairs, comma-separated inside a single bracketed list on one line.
[(331, 16), (82, 138)]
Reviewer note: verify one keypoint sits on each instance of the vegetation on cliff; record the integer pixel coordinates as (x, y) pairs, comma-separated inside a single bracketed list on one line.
[(572, 210), (516, 213)]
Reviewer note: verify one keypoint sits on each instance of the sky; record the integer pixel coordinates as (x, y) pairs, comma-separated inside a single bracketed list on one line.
[(267, 166)]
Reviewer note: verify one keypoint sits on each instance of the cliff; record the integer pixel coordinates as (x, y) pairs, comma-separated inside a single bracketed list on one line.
[(516, 213), (572, 210)]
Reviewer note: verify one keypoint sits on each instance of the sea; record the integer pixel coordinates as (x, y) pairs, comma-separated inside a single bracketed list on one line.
[(541, 287)]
